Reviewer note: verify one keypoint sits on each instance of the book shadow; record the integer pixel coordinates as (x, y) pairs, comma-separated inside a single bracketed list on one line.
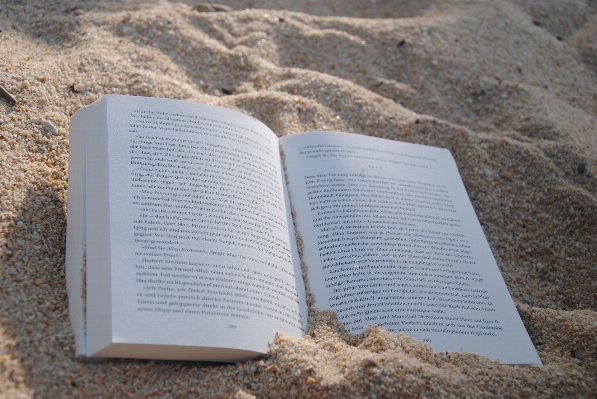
[(34, 315), (34, 304)]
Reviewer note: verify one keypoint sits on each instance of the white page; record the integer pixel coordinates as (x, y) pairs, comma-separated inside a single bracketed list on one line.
[(391, 238), (200, 252)]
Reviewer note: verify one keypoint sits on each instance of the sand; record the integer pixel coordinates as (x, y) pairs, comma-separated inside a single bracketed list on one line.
[(510, 87)]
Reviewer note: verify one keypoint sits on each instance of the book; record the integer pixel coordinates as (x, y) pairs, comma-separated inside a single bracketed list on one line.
[(181, 238)]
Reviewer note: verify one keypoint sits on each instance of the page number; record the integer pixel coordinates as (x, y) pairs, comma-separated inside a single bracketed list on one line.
[(231, 325)]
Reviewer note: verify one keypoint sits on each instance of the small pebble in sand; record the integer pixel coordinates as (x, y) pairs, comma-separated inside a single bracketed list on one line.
[(48, 127), (221, 8), (368, 362), (581, 168), (206, 7)]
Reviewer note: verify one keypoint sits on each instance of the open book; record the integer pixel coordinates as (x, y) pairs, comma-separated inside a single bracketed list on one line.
[(181, 244)]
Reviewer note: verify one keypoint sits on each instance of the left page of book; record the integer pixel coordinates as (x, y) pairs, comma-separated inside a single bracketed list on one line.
[(189, 254)]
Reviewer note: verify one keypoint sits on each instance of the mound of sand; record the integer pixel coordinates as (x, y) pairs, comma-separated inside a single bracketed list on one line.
[(510, 87)]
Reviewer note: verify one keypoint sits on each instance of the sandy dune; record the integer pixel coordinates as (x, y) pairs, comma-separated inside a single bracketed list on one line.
[(510, 87)]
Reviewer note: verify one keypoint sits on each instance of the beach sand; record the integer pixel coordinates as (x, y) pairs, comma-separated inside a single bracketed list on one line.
[(510, 87)]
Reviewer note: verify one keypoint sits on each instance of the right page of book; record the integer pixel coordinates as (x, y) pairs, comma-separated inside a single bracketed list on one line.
[(390, 237)]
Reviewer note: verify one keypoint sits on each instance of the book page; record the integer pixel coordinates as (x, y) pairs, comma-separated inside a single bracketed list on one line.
[(200, 251), (391, 238)]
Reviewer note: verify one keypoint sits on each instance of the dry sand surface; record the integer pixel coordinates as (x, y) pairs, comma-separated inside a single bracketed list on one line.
[(510, 87)]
